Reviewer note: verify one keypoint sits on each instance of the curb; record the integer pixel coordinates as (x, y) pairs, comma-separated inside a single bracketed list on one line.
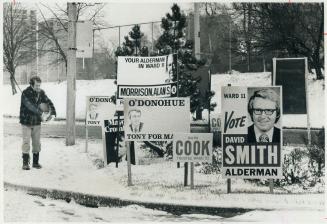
[(95, 201)]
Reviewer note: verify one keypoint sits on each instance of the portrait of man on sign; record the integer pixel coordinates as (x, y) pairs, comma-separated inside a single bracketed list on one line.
[(93, 113), (264, 110), (135, 120)]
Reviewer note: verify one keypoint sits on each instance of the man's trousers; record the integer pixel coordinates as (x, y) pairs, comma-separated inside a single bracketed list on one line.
[(31, 132)]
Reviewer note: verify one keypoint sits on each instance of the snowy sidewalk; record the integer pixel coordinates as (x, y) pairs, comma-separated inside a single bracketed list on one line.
[(70, 169)]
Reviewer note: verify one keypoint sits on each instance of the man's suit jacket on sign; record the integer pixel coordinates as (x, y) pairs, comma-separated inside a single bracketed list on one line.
[(252, 139)]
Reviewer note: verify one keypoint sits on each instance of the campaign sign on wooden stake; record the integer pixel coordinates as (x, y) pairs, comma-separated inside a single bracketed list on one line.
[(142, 77), (109, 138), (215, 122), (155, 119), (192, 147), (99, 108), (251, 132)]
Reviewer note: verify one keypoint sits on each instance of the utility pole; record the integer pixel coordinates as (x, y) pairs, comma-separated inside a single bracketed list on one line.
[(71, 75), (197, 49), (230, 47), (93, 62)]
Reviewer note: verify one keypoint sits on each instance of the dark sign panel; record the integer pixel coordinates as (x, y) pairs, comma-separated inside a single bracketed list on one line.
[(110, 132), (203, 75), (290, 73)]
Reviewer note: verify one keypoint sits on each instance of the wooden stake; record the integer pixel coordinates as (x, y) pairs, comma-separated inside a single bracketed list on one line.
[(86, 138), (307, 99), (117, 137), (185, 173), (229, 186), (129, 168), (271, 186), (192, 175)]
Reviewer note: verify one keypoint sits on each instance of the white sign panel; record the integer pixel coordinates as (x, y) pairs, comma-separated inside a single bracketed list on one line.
[(145, 91), (251, 132), (142, 77), (155, 119), (192, 147), (134, 70), (84, 39), (98, 109)]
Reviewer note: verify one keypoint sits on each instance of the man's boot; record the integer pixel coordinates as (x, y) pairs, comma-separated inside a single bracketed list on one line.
[(36, 161), (26, 161)]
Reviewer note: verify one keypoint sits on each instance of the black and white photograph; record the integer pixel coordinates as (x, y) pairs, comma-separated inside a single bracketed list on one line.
[(163, 111)]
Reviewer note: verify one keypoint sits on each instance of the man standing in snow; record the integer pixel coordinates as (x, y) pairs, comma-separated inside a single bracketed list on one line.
[(31, 117), (264, 109)]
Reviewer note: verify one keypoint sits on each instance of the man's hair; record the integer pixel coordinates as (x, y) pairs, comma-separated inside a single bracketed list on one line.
[(34, 79), (135, 109), (269, 94), (93, 105)]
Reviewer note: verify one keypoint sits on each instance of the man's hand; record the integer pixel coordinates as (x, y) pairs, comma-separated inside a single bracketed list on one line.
[(46, 117), (50, 118)]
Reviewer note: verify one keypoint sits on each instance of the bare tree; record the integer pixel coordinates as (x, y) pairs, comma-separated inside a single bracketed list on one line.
[(17, 39), (245, 11), (296, 29), (53, 31)]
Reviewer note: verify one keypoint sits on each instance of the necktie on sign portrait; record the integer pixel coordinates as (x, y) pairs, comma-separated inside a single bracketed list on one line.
[(264, 138)]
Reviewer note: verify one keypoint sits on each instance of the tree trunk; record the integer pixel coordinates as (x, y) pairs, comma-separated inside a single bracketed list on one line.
[(319, 169), (316, 56), (317, 66), (198, 114), (13, 84), (249, 56)]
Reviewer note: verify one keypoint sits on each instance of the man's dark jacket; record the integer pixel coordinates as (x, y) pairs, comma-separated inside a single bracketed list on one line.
[(251, 135), (30, 113)]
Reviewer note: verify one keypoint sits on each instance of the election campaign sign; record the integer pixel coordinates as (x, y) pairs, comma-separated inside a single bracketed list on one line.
[(215, 123), (149, 152), (192, 147), (291, 73), (144, 91), (84, 39), (99, 108), (142, 77), (251, 132), (109, 138), (215, 128), (155, 119)]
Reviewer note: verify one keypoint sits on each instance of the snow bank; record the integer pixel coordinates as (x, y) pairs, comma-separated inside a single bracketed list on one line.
[(57, 92)]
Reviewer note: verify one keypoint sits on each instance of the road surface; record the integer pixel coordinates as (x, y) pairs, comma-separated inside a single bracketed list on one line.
[(58, 129), (21, 207)]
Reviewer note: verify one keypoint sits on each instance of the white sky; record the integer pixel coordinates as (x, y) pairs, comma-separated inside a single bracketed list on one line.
[(126, 13), (119, 13)]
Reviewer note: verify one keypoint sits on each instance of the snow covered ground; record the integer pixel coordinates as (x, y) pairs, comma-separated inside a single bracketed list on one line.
[(36, 209), (57, 92), (68, 168)]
